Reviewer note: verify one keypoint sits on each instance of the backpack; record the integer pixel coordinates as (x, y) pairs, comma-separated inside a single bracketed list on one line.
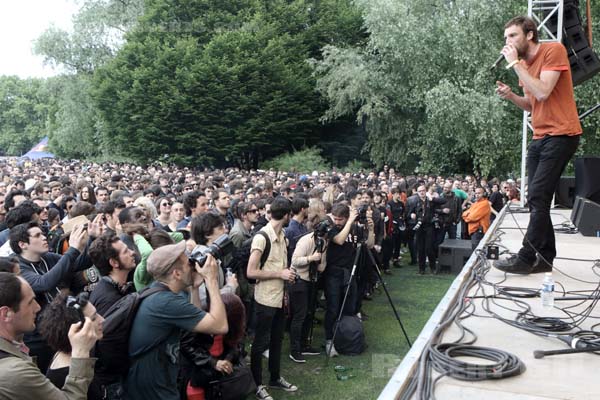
[(240, 257), (112, 350), (350, 336)]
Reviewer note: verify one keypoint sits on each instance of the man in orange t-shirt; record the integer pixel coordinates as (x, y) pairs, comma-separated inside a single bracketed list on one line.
[(545, 75), (478, 217)]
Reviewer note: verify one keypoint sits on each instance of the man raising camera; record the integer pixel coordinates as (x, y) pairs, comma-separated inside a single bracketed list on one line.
[(345, 237)]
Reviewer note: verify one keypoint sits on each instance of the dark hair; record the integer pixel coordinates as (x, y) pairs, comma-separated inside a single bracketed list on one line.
[(22, 214), (7, 264), (203, 226), (109, 207), (102, 250), (190, 200), (53, 214), (20, 233), (236, 319), (280, 207), (10, 291), (9, 201), (159, 238), (526, 24), (299, 204), (351, 195), (56, 320), (82, 208), (340, 210), (91, 195), (215, 195)]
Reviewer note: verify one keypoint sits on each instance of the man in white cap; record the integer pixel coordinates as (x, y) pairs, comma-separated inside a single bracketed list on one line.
[(154, 339)]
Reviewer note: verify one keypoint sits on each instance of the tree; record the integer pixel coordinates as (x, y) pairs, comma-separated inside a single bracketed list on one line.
[(227, 83), (422, 88), (24, 111)]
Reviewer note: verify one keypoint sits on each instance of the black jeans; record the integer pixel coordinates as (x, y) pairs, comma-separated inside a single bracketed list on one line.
[(476, 238), (336, 280), (412, 244), (268, 335), (386, 252), (425, 246), (300, 293), (546, 160)]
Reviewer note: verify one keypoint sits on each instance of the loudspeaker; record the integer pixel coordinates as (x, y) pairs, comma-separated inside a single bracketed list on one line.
[(586, 217), (454, 254), (565, 192), (587, 183), (584, 62)]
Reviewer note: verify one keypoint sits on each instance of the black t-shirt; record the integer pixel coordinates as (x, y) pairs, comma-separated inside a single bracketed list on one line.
[(59, 376), (106, 293), (497, 201), (343, 256)]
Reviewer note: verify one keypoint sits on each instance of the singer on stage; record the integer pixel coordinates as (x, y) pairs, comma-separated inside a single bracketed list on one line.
[(545, 76)]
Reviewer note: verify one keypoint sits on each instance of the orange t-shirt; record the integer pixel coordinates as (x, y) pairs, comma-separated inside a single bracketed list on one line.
[(557, 115)]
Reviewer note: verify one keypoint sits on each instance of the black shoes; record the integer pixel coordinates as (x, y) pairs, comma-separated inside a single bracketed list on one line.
[(515, 265), (297, 357), (310, 351)]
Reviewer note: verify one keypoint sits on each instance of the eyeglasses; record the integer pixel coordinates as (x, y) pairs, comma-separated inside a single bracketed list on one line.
[(253, 211), (187, 188)]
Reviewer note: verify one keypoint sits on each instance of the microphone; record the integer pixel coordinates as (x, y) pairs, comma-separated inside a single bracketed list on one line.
[(574, 343), (497, 62)]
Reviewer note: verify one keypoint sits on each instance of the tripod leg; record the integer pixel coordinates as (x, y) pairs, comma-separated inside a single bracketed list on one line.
[(388, 296), (341, 313)]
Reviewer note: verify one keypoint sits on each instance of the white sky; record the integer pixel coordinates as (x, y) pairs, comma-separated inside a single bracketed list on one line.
[(22, 21)]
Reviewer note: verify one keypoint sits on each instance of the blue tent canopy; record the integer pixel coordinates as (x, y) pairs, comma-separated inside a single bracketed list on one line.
[(39, 151)]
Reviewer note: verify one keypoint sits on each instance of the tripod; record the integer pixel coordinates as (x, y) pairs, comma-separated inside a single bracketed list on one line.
[(359, 248)]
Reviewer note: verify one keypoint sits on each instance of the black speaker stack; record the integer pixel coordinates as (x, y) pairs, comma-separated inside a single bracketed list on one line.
[(454, 254), (584, 61)]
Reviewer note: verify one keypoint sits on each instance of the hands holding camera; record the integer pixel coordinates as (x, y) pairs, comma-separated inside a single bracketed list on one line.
[(209, 272), (82, 338), (288, 274)]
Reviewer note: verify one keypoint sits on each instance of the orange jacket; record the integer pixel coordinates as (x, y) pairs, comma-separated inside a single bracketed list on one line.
[(478, 215)]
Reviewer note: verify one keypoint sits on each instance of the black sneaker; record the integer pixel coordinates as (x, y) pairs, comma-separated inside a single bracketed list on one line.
[(310, 351), (514, 265), (284, 385), (297, 357)]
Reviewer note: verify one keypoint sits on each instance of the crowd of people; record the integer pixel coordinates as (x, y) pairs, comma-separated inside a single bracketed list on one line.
[(210, 265)]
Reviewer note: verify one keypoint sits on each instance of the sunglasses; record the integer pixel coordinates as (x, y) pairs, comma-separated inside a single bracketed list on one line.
[(169, 204), (253, 211)]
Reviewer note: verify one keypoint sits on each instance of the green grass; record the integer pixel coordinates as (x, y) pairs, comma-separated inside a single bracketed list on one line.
[(415, 298)]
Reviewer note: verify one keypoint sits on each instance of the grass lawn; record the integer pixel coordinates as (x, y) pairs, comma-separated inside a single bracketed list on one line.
[(415, 298)]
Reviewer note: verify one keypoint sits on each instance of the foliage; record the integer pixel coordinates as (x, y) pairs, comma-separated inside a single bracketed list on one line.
[(422, 87), (25, 106), (306, 160), (227, 83)]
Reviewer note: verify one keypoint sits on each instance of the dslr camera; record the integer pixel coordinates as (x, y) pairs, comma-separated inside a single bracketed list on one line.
[(219, 249), (362, 214)]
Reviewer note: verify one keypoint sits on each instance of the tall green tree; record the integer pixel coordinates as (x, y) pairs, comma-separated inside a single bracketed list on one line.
[(211, 82), (423, 89), (25, 105)]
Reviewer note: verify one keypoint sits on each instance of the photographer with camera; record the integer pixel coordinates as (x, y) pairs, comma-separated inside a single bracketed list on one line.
[(396, 207), (422, 216), (309, 261), (208, 231), (344, 237)]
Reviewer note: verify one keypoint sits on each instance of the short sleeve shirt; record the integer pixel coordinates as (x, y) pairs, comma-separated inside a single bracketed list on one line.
[(154, 344), (270, 292), (557, 115)]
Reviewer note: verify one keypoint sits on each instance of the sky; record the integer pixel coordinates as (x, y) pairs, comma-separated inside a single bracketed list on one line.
[(22, 21)]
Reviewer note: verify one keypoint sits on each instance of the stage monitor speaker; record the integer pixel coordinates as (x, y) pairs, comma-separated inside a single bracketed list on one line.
[(587, 183), (586, 217), (565, 192), (454, 254)]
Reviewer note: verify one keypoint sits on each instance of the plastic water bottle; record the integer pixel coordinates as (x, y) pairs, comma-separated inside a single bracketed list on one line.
[(547, 293)]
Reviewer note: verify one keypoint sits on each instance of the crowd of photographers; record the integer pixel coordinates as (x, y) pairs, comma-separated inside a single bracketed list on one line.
[(122, 282)]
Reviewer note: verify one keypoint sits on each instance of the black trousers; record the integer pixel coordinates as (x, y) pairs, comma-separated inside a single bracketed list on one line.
[(546, 160), (300, 294), (412, 246), (424, 238), (335, 288), (386, 252), (268, 335)]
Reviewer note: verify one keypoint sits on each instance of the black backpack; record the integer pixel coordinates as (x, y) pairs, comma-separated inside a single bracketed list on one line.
[(350, 336), (240, 257), (112, 350)]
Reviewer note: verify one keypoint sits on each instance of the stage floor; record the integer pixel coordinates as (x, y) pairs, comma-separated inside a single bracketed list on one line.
[(571, 376)]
